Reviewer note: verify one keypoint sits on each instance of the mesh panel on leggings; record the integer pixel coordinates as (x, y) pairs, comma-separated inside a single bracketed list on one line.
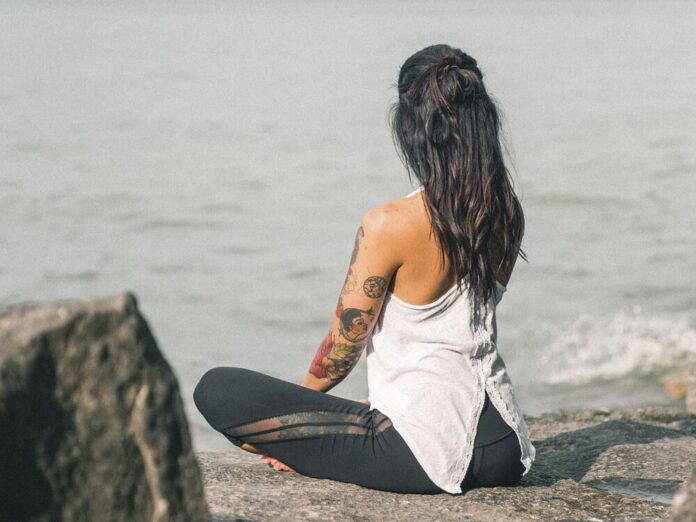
[(308, 424)]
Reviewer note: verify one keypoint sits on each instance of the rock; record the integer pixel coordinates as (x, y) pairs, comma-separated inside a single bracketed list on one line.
[(684, 506), (675, 383), (590, 465), (92, 426)]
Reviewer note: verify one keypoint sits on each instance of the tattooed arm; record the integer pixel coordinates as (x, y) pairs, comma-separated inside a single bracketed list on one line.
[(375, 259)]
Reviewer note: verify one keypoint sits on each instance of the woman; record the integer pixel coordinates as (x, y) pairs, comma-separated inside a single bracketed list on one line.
[(426, 274)]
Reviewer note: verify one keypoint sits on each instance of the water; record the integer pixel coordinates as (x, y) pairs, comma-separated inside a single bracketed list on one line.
[(215, 158)]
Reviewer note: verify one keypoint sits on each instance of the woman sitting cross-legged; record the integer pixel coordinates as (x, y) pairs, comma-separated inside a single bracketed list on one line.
[(426, 274)]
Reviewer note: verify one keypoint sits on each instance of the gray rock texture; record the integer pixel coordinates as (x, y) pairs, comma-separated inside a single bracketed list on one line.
[(684, 505), (92, 426), (590, 465)]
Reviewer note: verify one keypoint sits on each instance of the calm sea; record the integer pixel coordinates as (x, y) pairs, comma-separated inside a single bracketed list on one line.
[(215, 158)]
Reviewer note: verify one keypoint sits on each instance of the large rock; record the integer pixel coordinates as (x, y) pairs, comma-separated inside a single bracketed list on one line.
[(92, 426), (684, 506), (590, 465)]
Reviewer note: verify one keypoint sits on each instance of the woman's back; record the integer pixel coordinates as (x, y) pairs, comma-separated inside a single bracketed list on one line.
[(423, 275), (433, 356)]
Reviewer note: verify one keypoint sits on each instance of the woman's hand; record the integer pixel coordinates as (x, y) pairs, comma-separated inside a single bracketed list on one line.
[(275, 463)]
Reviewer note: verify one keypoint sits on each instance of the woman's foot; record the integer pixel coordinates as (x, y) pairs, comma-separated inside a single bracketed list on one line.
[(275, 464)]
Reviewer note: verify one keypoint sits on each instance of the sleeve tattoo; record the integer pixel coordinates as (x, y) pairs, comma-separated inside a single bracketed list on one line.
[(335, 358)]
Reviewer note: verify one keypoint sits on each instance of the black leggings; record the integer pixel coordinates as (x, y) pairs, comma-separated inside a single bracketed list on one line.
[(324, 436)]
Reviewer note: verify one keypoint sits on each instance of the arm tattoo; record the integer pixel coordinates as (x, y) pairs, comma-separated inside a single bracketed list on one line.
[(342, 359), (317, 366), (339, 306), (334, 361), (351, 283), (355, 324), (356, 246), (374, 286)]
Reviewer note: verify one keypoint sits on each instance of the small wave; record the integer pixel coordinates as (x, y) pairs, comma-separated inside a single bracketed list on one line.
[(223, 207), (629, 343), (84, 275), (174, 223), (580, 200), (303, 273), (28, 147)]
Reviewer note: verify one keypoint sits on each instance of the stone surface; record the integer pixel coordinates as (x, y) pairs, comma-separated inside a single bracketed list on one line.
[(684, 505), (590, 465), (92, 426)]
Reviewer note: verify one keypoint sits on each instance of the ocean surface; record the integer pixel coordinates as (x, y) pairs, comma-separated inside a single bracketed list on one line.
[(215, 159)]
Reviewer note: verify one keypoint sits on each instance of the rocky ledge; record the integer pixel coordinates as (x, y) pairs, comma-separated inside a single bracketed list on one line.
[(590, 465), (92, 426)]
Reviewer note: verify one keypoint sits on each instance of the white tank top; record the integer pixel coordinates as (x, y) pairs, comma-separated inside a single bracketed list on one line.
[(427, 368)]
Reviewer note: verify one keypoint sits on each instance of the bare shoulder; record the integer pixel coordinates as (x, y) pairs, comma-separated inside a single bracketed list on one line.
[(389, 228), (392, 218)]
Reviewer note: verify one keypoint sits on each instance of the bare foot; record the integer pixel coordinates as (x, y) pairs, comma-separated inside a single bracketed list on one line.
[(275, 463)]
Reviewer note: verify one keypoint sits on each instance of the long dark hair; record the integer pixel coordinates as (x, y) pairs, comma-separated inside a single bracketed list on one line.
[(445, 128)]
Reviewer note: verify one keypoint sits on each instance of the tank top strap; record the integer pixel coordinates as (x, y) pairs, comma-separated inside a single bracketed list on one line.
[(414, 192)]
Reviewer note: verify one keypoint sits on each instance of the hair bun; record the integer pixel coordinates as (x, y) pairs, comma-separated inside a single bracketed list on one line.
[(469, 81), (469, 62), (458, 84)]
